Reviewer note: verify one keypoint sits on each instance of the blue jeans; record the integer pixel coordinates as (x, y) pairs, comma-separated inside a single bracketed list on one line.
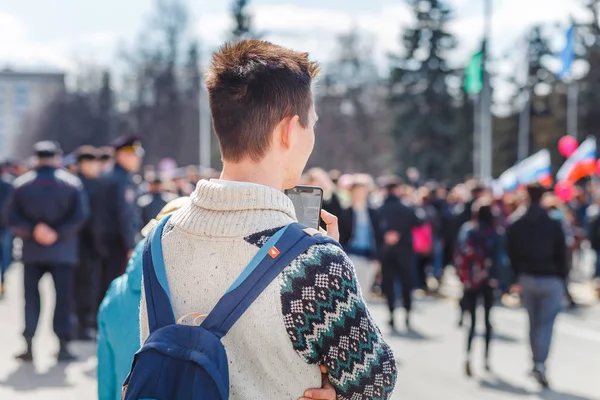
[(542, 297)]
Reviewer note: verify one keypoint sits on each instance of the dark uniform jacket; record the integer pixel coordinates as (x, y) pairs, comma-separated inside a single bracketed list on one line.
[(120, 214), (5, 190), (151, 204), (90, 232), (54, 197)]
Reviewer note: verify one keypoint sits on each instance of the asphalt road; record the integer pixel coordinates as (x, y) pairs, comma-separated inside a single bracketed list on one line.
[(430, 358)]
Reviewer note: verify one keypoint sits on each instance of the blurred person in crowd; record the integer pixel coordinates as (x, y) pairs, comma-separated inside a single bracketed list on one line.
[(331, 201), (183, 187), (107, 155), (87, 273), (118, 317), (539, 262), (266, 137), (46, 209), (152, 202), (193, 175), (359, 233), (5, 235), (425, 237), (69, 162), (396, 225), (120, 214), (413, 177), (478, 258), (335, 175), (593, 234)]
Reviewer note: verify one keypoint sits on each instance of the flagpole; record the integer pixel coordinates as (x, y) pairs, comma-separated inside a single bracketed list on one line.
[(486, 112), (572, 108), (524, 127), (476, 137)]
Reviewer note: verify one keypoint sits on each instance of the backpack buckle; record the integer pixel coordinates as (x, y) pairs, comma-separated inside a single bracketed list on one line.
[(197, 321)]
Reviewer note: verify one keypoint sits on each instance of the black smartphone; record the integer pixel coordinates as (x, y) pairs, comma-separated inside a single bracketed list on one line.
[(308, 201)]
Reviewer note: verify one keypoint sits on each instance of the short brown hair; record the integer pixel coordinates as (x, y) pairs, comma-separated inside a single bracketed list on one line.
[(252, 86)]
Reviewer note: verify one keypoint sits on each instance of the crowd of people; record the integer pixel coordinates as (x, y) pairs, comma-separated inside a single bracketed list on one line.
[(83, 219)]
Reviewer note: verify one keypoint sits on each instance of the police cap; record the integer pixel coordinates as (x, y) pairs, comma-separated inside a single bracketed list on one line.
[(89, 153), (47, 149), (127, 142)]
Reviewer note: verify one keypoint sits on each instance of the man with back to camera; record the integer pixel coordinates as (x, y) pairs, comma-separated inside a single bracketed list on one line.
[(120, 214), (313, 312), (46, 209), (537, 251)]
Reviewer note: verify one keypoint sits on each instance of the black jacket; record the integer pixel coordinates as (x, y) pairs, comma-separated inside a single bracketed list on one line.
[(120, 214), (394, 215), (347, 228), (90, 232), (536, 244), (56, 198), (151, 204)]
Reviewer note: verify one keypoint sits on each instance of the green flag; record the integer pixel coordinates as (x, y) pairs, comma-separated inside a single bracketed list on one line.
[(474, 74)]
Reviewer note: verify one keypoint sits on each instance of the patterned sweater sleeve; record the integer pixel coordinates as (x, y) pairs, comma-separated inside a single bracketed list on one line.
[(328, 322)]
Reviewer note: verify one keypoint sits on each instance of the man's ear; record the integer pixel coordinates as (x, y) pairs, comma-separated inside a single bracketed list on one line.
[(287, 128)]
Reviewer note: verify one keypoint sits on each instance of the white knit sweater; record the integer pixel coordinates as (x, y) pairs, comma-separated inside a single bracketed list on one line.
[(206, 246)]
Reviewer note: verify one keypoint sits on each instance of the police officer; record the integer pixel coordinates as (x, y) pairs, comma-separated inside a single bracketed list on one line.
[(154, 201), (46, 209), (120, 213), (87, 275)]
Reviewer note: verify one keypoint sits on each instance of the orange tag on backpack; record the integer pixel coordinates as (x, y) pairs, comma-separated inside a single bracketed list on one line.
[(273, 252)]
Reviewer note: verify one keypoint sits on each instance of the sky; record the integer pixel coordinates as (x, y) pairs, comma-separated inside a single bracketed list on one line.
[(62, 34)]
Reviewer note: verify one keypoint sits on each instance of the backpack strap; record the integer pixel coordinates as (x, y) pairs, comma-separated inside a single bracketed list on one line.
[(279, 251), (156, 286)]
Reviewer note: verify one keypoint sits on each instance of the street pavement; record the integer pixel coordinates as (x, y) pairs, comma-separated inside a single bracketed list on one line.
[(430, 358)]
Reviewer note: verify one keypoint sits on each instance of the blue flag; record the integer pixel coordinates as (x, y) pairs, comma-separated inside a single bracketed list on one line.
[(567, 56)]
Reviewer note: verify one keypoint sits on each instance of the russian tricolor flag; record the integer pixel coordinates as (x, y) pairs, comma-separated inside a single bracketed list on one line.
[(535, 168), (580, 164)]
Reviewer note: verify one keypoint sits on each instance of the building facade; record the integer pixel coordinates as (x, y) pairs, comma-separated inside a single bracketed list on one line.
[(24, 94)]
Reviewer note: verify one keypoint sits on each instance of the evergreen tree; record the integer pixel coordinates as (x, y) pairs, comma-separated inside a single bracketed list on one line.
[(424, 122), (588, 36), (352, 130)]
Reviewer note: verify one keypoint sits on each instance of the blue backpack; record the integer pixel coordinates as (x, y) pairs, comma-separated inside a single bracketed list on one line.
[(190, 362)]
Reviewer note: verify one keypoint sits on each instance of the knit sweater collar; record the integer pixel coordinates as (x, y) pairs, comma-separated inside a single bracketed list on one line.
[(228, 209)]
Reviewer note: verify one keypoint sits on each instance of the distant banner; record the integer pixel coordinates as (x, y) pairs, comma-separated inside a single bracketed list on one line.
[(535, 168), (580, 164)]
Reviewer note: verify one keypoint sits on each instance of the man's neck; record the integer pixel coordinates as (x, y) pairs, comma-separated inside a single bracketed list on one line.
[(261, 174)]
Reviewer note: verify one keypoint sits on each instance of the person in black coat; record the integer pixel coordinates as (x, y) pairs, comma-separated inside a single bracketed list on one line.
[(396, 222), (359, 233), (537, 250), (87, 275), (120, 214), (155, 200), (46, 209)]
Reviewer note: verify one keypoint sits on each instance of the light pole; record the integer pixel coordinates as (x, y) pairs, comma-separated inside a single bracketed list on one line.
[(204, 122)]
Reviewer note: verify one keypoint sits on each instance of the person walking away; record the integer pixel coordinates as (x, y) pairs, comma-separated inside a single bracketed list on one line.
[(88, 271), (593, 235), (265, 128), (359, 233), (478, 259), (5, 236), (118, 317), (152, 202), (537, 251), (396, 224), (46, 209), (120, 214)]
